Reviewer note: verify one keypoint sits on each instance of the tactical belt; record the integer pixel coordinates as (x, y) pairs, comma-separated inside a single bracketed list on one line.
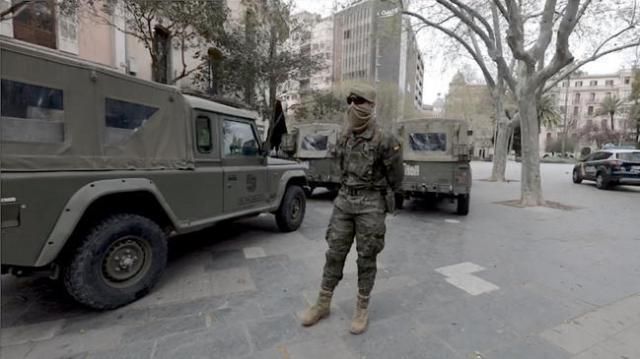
[(357, 191)]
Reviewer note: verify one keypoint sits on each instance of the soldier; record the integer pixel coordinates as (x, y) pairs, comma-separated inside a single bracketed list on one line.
[(371, 167)]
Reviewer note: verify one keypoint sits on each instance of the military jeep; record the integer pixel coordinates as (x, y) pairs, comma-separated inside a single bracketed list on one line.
[(99, 169), (314, 145), (436, 157)]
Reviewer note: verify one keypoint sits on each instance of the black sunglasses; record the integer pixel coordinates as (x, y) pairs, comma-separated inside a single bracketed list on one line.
[(355, 99)]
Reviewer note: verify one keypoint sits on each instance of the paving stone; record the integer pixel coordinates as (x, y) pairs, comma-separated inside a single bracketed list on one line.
[(272, 331), (160, 328), (27, 333), (253, 252), (70, 345), (219, 342), (226, 260), (135, 351), (229, 281)]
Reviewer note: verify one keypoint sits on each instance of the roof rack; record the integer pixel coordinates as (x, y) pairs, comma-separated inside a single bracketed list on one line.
[(219, 99)]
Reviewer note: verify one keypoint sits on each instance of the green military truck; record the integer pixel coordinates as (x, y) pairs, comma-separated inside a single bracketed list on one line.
[(314, 145), (99, 169), (436, 160)]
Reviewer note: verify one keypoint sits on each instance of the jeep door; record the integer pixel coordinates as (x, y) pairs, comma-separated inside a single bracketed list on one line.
[(245, 172)]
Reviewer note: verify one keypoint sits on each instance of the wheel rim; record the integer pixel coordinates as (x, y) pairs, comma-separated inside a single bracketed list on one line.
[(127, 260), (575, 175), (599, 180), (296, 208)]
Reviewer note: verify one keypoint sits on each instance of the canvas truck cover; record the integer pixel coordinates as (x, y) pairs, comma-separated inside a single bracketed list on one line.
[(433, 139), (317, 140), (59, 114)]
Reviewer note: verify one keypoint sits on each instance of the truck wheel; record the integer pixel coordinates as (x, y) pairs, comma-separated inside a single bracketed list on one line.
[(118, 261), (291, 212), (463, 204)]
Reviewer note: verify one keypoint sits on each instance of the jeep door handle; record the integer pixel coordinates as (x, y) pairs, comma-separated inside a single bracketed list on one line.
[(232, 178)]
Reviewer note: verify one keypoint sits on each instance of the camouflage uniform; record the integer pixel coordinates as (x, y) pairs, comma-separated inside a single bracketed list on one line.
[(371, 166)]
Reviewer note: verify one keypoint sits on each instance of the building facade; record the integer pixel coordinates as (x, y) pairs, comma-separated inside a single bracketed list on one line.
[(314, 36), (374, 43), (578, 100), (473, 103)]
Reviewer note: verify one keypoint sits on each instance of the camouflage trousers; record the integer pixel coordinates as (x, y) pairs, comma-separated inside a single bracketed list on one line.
[(368, 229)]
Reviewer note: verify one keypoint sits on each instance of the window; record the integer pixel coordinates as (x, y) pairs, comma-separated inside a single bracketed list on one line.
[(203, 135), (627, 80), (347, 34), (428, 141), (576, 110), (162, 47), (124, 118), (592, 97), (593, 83), (576, 98), (31, 113), (315, 143), (578, 83), (36, 23), (604, 123), (629, 156), (608, 83), (590, 110), (239, 139)]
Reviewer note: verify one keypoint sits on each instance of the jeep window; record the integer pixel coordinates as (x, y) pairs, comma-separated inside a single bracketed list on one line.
[(431, 141), (203, 134), (31, 113), (239, 139), (629, 156), (315, 142), (124, 118)]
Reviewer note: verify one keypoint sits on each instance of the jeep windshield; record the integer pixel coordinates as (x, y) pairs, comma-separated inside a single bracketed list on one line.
[(629, 156), (427, 142), (315, 143)]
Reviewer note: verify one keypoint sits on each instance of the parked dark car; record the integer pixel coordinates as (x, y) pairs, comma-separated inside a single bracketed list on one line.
[(609, 167)]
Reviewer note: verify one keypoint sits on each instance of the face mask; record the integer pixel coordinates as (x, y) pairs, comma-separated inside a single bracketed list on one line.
[(359, 116)]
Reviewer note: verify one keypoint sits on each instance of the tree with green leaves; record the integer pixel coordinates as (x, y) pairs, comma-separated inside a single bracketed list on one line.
[(610, 105), (548, 115), (326, 106), (161, 26), (634, 113)]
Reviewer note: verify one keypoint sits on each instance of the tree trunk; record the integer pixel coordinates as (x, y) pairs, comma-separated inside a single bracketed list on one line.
[(612, 125), (531, 186), (501, 143)]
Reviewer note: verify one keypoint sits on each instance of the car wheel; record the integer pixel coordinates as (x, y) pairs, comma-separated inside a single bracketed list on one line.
[(118, 261), (463, 204), (601, 181), (291, 212), (576, 177)]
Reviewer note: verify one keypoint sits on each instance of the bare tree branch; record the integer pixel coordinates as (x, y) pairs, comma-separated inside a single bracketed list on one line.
[(501, 8), (546, 30), (476, 15), (515, 33), (476, 56), (595, 56), (468, 21)]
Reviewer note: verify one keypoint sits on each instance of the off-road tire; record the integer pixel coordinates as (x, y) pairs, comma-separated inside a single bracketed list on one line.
[(577, 179), (463, 204), (290, 215), (84, 275), (601, 181)]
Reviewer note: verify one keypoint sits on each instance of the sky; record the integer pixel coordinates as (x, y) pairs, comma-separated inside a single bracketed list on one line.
[(438, 76)]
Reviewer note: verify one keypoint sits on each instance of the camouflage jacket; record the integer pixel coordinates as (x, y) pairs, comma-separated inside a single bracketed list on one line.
[(370, 160)]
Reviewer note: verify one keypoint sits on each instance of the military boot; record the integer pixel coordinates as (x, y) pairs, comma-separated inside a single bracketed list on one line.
[(319, 310), (361, 316)]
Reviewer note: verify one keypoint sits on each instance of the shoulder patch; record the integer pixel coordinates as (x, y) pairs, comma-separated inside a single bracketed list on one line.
[(396, 148)]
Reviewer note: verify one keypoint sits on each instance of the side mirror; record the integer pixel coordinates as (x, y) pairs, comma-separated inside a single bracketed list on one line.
[(469, 132)]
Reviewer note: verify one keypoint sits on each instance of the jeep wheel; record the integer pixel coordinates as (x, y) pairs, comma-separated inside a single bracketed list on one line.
[(576, 177), (463, 204), (118, 261), (601, 181), (291, 212)]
